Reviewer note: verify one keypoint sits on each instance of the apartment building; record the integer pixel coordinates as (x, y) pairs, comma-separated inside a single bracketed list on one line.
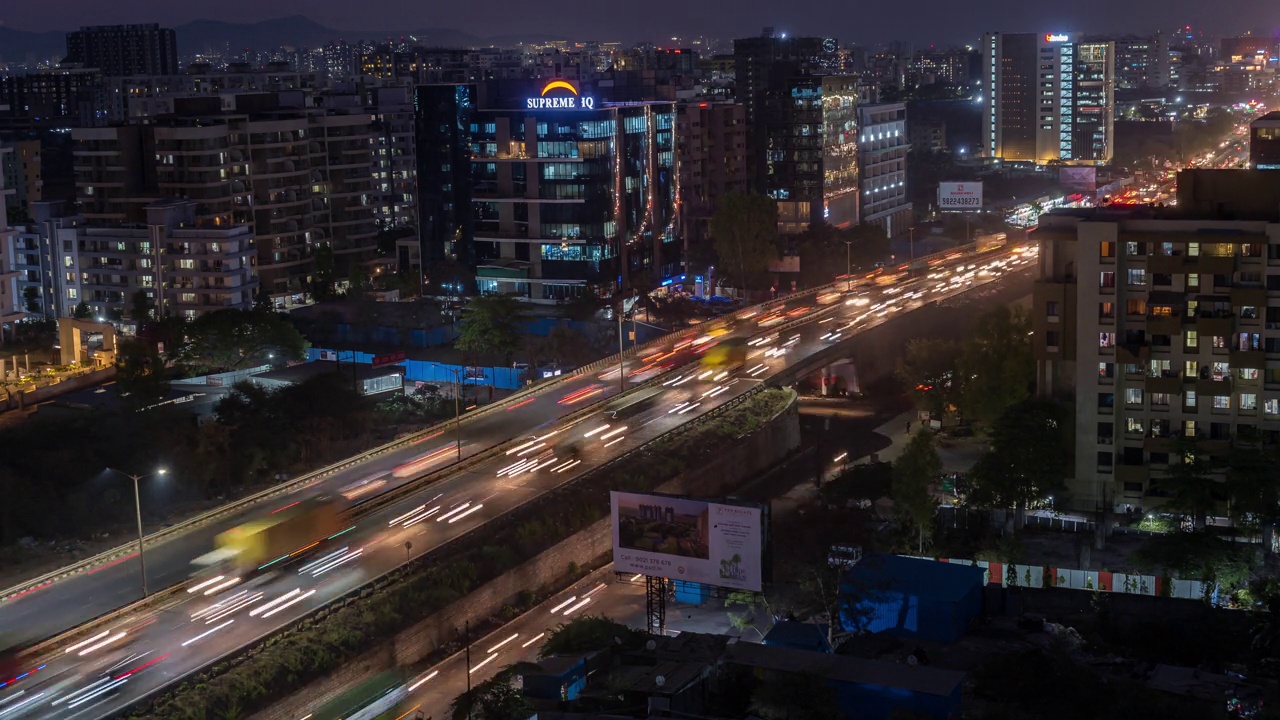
[(711, 141), (1165, 326), (185, 263), (882, 154), (11, 306), (300, 177)]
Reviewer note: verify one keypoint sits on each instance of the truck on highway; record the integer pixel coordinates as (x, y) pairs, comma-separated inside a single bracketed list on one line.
[(285, 534), (728, 354)]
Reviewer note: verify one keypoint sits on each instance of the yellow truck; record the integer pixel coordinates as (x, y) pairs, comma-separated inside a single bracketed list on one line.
[(287, 533)]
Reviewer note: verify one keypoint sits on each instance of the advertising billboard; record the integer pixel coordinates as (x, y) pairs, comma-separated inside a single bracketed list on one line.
[(960, 196), (1078, 179), (686, 539)]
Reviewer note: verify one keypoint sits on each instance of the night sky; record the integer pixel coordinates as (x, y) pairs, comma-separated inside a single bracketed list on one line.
[(865, 21)]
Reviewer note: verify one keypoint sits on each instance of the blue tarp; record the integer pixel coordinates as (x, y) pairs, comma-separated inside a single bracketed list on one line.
[(798, 635), (912, 598), (440, 373)]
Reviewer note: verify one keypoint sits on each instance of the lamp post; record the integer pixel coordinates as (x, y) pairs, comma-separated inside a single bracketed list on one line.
[(457, 412), (137, 504)]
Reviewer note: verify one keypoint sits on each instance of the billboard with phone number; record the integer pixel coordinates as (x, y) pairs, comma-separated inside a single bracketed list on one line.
[(960, 196), (681, 538)]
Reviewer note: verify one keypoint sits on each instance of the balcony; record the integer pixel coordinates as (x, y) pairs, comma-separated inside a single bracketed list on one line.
[(1159, 444), (1247, 359), (1205, 388), (1220, 325), (1133, 353), (1164, 324), (1166, 264), (1211, 265), (1132, 473), (1248, 296), (1171, 384)]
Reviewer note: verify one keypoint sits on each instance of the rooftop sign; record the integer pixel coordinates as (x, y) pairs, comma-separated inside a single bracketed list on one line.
[(560, 95)]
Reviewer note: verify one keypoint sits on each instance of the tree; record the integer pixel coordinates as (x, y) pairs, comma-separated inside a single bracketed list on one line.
[(997, 363), (140, 374), (31, 299), (928, 369), (913, 475), (238, 339), (744, 231), (1190, 478), (564, 345), (819, 595), (357, 281), (1222, 565), (589, 633), (870, 244), (1029, 458), (795, 696), (494, 699), (1253, 485), (322, 279), (491, 326), (82, 311), (140, 308)]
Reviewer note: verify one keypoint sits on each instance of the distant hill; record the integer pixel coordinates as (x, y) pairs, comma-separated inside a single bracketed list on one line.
[(296, 31)]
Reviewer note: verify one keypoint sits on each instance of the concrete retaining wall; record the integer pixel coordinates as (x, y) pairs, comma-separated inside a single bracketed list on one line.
[(18, 401), (547, 571)]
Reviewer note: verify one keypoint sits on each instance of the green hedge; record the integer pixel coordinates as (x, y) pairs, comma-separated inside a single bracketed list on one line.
[(322, 643)]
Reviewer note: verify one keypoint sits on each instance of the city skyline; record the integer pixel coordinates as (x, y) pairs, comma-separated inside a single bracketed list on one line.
[(931, 21)]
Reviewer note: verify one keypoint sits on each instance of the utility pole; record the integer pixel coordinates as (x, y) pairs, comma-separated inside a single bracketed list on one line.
[(467, 640), (622, 377), (848, 265)]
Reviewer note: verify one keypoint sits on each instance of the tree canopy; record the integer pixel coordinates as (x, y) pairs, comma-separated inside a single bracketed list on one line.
[(1189, 477), (997, 362), (238, 339), (1029, 458), (744, 232), (914, 473), (1253, 485), (491, 327), (928, 370), (140, 374), (589, 633), (494, 699)]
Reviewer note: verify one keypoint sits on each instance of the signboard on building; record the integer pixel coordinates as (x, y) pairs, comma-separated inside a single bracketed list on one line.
[(681, 538), (960, 196), (560, 95), (388, 359), (1078, 179)]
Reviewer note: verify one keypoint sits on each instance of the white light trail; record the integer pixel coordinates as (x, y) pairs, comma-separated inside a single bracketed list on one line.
[(418, 683), (418, 509), (454, 511), (562, 605), (481, 664), (207, 633), (495, 648), (102, 644), (294, 601), (577, 607), (589, 433), (263, 608), (221, 586), (197, 588), (613, 432), (534, 639), (81, 644), (456, 518)]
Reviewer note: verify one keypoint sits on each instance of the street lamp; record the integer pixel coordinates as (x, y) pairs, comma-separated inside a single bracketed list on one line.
[(137, 504)]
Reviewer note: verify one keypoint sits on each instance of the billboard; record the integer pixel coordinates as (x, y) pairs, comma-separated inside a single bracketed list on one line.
[(960, 196), (686, 539), (1078, 179)]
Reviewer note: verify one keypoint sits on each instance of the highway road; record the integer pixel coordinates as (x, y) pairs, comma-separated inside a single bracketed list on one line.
[(102, 675)]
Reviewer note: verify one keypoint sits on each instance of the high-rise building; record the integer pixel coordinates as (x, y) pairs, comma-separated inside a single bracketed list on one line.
[(1141, 62), (299, 177), (802, 124), (711, 139), (1248, 49), (946, 67), (55, 99), (1047, 97), (566, 190), (1163, 325), (124, 49), (1264, 142), (882, 158), (395, 168)]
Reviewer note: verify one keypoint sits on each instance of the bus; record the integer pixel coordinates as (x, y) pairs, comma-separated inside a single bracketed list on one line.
[(633, 403)]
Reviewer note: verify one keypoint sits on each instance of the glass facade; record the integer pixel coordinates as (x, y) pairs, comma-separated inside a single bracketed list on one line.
[(560, 200)]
